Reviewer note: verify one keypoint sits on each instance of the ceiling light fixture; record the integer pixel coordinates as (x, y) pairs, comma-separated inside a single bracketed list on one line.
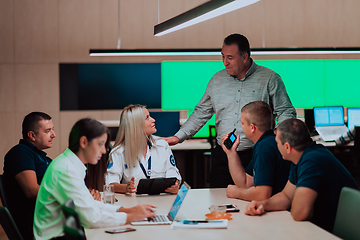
[(200, 13), (217, 52)]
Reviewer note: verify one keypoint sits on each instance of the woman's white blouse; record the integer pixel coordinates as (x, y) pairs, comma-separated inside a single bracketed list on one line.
[(162, 164)]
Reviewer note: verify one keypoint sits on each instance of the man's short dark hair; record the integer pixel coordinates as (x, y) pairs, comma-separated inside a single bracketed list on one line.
[(240, 40), (31, 123), (295, 132), (260, 114)]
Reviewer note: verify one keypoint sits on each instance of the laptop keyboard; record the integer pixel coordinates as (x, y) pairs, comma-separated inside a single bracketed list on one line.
[(159, 218), (332, 131)]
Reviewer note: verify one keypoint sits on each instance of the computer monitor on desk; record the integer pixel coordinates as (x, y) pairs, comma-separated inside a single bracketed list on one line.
[(329, 122), (353, 117)]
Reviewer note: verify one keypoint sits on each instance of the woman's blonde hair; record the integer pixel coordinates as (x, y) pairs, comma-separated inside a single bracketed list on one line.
[(131, 134)]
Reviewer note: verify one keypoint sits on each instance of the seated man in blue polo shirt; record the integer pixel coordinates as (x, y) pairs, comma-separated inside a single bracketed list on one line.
[(315, 181), (24, 168), (267, 173)]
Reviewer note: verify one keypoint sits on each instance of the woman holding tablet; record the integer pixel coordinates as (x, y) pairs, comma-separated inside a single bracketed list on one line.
[(137, 154)]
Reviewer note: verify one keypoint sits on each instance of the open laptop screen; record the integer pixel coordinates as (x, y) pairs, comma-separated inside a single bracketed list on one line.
[(179, 200), (328, 116), (353, 117)]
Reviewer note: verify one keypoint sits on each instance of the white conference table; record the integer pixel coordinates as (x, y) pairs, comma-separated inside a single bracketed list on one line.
[(272, 225)]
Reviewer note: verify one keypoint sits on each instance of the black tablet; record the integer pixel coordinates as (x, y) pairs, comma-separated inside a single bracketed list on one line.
[(154, 186)]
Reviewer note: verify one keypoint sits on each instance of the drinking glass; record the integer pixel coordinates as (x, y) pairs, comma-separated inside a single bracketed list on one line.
[(109, 194)]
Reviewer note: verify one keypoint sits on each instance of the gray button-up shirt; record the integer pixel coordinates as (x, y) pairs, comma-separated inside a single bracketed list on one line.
[(226, 95)]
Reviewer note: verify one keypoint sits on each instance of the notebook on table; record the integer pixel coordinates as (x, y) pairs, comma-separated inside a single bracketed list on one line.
[(353, 117), (163, 219), (329, 122)]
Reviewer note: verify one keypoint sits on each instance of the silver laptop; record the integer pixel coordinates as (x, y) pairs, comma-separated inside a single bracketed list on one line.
[(329, 122), (163, 219)]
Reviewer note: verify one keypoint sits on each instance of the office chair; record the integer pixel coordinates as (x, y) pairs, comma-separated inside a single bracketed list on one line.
[(72, 232), (68, 209), (347, 221), (207, 154), (2, 192), (356, 151), (212, 136), (8, 224)]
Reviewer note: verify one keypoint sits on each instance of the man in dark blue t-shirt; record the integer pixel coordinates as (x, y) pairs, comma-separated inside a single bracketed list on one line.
[(315, 181), (267, 173), (24, 168)]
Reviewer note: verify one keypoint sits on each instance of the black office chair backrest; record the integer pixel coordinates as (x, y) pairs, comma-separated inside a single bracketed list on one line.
[(212, 136), (2, 192), (72, 232), (69, 210), (8, 224), (356, 152), (347, 224)]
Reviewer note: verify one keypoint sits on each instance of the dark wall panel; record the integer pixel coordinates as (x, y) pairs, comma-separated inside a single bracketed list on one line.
[(68, 86), (110, 86)]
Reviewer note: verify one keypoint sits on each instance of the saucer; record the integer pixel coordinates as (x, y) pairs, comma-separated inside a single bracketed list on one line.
[(211, 216)]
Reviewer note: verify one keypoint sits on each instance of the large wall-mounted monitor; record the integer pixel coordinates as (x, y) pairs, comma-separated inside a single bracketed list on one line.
[(98, 86), (309, 83), (179, 85)]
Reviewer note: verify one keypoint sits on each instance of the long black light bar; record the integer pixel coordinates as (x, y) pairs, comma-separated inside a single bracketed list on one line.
[(217, 51), (199, 14)]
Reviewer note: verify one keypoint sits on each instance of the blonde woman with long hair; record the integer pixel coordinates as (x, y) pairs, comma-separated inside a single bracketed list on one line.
[(137, 154)]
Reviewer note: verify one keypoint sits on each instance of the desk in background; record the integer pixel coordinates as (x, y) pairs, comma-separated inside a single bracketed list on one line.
[(272, 225), (331, 144), (193, 161), (192, 144)]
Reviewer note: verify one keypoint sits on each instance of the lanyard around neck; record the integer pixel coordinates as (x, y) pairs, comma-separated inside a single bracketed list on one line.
[(148, 173)]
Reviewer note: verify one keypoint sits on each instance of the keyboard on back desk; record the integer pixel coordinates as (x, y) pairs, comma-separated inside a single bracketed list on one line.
[(333, 131)]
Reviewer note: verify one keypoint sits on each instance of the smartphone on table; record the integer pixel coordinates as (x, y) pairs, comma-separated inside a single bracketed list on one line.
[(231, 208), (120, 230)]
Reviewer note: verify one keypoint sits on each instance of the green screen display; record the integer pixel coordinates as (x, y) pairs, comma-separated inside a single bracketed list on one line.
[(309, 83), (302, 79), (342, 83), (183, 83)]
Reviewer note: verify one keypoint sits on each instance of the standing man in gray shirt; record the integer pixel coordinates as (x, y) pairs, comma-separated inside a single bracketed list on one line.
[(242, 81)]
